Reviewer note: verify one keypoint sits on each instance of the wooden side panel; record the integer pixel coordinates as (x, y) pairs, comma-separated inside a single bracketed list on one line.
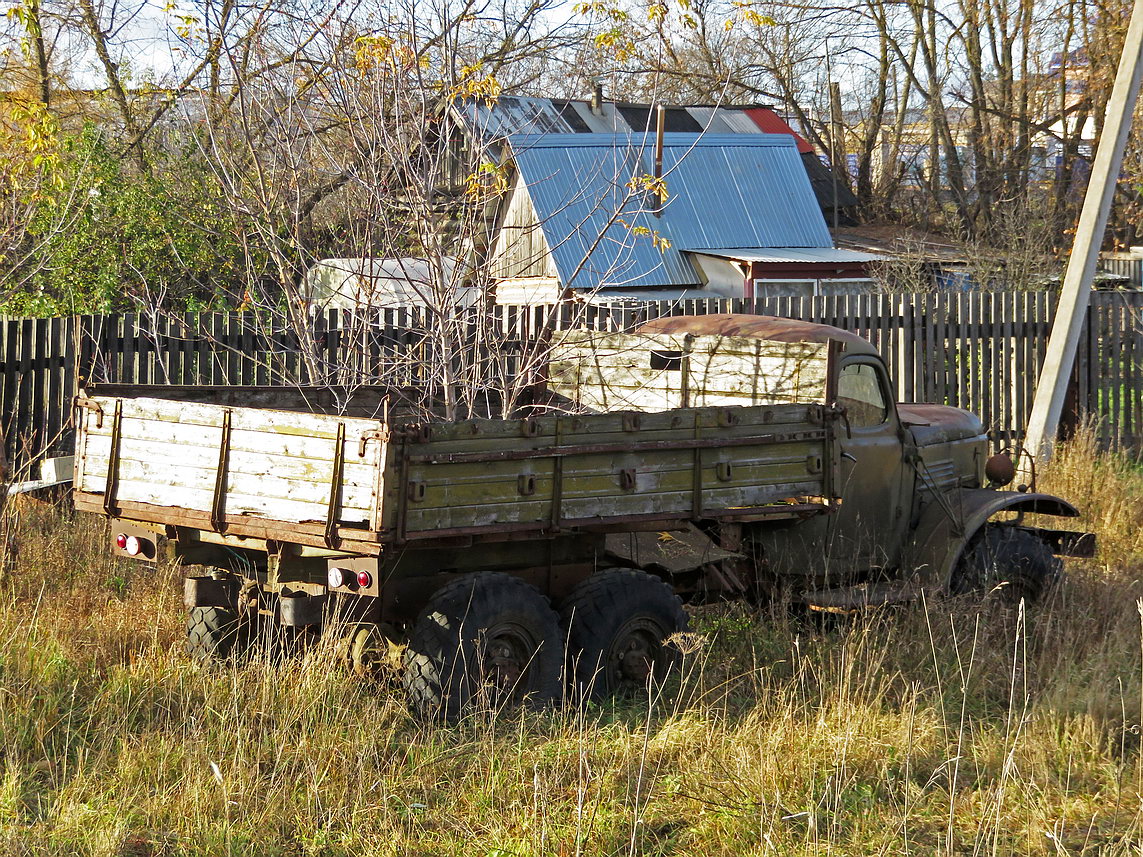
[(279, 465), (546, 472), (618, 371)]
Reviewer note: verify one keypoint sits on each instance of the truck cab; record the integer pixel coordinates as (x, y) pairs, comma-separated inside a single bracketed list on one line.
[(914, 494)]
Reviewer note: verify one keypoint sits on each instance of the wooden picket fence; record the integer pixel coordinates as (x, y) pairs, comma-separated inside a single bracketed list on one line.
[(981, 351)]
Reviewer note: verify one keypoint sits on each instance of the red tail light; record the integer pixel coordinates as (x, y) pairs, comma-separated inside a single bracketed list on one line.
[(364, 578), (121, 541)]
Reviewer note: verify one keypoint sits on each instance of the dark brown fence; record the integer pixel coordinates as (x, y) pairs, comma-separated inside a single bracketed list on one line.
[(980, 351)]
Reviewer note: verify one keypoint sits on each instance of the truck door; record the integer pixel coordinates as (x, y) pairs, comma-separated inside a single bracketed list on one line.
[(866, 531)]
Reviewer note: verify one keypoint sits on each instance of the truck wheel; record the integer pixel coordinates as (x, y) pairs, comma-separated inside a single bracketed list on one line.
[(213, 633), (487, 639), (1006, 562), (618, 621)]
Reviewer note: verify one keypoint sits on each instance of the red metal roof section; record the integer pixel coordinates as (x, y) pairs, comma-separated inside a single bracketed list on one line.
[(770, 122), (766, 327)]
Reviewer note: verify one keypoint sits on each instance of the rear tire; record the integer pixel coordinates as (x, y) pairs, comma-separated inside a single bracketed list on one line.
[(213, 633), (485, 641), (618, 622), (1008, 564)]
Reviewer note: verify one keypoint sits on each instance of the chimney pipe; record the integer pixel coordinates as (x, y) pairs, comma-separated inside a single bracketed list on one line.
[(597, 97)]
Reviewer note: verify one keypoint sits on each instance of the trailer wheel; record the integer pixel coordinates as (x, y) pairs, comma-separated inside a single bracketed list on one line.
[(618, 622), (487, 640), (213, 633), (1006, 563)]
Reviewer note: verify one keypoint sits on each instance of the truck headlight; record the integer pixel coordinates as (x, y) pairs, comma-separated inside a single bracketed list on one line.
[(1000, 469)]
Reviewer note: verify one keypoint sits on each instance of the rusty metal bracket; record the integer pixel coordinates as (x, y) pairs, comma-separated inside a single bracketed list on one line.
[(82, 403), (111, 485), (381, 434), (335, 484), (218, 499)]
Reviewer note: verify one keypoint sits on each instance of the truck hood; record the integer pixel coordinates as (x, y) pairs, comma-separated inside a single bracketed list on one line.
[(933, 424)]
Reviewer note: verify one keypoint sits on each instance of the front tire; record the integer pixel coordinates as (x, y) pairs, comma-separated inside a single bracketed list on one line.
[(1007, 563), (485, 640), (618, 622)]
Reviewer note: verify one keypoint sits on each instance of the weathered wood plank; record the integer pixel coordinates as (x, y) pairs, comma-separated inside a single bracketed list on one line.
[(186, 481), (247, 455)]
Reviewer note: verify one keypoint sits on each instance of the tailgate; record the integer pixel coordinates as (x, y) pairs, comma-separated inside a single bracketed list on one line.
[(227, 468)]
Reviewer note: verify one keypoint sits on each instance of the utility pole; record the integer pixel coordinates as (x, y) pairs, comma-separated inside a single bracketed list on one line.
[(1048, 404), (837, 156), (836, 146)]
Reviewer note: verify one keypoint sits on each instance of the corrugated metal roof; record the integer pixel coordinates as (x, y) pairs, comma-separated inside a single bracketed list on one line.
[(606, 296), (725, 191), (578, 186), (724, 120), (741, 190), (787, 254), (512, 114), (770, 122)]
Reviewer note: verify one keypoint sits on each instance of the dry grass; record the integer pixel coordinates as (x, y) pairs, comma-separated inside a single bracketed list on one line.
[(933, 730)]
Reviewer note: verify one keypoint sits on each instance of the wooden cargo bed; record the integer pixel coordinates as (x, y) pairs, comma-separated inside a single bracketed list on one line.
[(356, 483)]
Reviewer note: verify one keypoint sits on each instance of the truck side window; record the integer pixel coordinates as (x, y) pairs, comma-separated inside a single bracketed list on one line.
[(859, 391)]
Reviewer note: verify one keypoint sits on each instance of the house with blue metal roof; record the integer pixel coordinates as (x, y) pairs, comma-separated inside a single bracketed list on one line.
[(600, 216), (488, 123)]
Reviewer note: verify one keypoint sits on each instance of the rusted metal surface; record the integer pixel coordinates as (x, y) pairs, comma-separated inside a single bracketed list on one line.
[(932, 424), (306, 533), (852, 599), (673, 552), (218, 498), (112, 477), (331, 539), (1000, 469), (758, 327), (673, 521)]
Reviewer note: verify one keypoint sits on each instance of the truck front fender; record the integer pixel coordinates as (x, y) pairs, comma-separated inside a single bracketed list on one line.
[(944, 531)]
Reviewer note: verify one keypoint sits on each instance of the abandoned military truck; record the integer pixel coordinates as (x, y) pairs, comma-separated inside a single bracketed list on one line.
[(696, 458)]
